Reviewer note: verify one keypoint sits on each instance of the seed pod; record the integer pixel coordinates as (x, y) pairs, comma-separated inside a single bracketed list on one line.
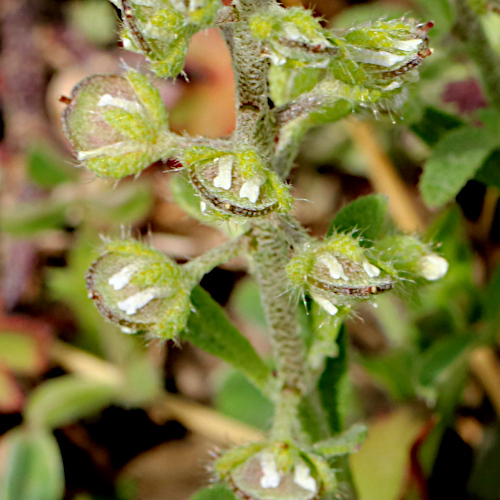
[(140, 289), (161, 29), (382, 55), (292, 37), (235, 183), (337, 273), (115, 124), (275, 471), (411, 258)]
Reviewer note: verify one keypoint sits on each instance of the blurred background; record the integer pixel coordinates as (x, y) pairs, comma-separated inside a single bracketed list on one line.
[(424, 369)]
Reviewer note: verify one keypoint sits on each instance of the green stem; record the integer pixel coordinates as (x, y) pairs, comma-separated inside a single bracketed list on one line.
[(203, 264), (468, 28)]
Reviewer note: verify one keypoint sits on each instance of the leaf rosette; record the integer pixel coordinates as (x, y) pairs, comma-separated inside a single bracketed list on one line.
[(140, 289)]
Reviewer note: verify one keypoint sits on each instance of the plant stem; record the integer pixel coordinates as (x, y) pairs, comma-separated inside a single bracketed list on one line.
[(468, 28), (253, 115), (269, 258), (203, 264)]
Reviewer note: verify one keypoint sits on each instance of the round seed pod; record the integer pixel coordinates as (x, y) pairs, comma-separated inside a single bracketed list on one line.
[(115, 122), (140, 289), (235, 183)]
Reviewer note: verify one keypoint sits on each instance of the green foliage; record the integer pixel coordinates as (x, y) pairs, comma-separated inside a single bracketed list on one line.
[(219, 492), (456, 159), (363, 217), (34, 469), (66, 399), (209, 329)]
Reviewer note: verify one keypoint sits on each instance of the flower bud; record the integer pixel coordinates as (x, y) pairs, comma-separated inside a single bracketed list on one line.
[(337, 273), (115, 123), (161, 29), (411, 258), (235, 183), (140, 289), (292, 37), (382, 55)]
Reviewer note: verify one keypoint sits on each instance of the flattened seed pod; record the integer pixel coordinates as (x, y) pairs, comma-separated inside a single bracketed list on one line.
[(140, 289), (337, 273), (235, 183)]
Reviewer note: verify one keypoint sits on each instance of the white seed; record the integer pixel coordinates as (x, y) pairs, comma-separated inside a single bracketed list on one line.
[(225, 177), (302, 477), (118, 102), (270, 476), (334, 267), (379, 58), (131, 305), (328, 306), (251, 189), (371, 270), (122, 278), (433, 267)]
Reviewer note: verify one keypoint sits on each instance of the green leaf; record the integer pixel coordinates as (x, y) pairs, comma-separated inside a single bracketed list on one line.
[(239, 399), (66, 399), (343, 444), (394, 371), (434, 125), (128, 203), (440, 356), (209, 329), (34, 470), (245, 300), (219, 492), (381, 467), (359, 14), (364, 217), (457, 157), (46, 170), (489, 172), (20, 352), (331, 381), (26, 219)]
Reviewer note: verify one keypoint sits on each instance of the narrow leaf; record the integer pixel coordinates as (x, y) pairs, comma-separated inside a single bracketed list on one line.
[(455, 160), (29, 218), (363, 216), (20, 352), (331, 381), (47, 171), (34, 470), (209, 329), (66, 399)]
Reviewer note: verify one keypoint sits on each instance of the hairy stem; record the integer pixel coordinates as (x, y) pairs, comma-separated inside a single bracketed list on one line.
[(203, 264), (468, 28), (253, 116)]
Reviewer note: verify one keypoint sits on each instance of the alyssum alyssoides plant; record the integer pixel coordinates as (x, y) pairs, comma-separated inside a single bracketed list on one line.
[(291, 74)]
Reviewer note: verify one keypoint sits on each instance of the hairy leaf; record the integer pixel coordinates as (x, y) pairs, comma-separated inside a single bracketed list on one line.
[(363, 216), (456, 159), (209, 329)]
